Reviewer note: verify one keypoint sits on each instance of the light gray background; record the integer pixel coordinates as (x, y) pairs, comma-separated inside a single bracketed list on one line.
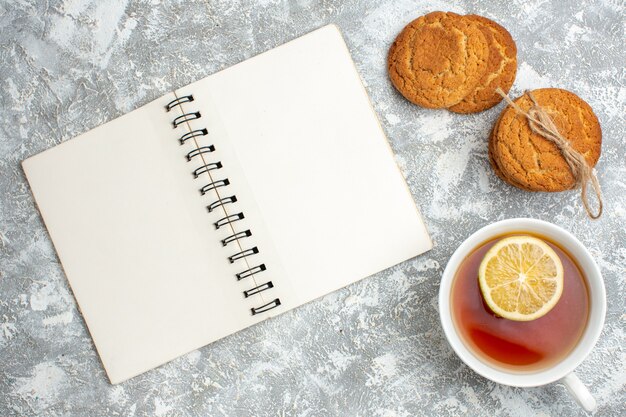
[(373, 349)]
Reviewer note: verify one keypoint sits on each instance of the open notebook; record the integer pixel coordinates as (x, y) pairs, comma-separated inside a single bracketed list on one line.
[(226, 202)]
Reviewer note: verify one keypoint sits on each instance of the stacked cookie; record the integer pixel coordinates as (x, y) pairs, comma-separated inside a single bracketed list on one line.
[(445, 60), (529, 161)]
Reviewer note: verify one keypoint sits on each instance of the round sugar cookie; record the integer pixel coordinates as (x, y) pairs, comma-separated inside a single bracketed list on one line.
[(438, 59), (494, 163), (528, 160), (500, 72)]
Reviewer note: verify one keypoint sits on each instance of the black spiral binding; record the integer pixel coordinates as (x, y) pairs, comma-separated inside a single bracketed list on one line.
[(184, 118), (213, 185), (272, 304), (192, 134), (236, 236), (200, 151), (228, 220), (221, 202), (250, 272), (178, 101), (206, 168)]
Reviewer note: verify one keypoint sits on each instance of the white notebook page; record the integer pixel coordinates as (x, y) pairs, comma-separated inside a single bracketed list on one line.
[(316, 162), (147, 267)]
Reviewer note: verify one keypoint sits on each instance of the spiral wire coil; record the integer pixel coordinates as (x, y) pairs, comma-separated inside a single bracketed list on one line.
[(228, 220)]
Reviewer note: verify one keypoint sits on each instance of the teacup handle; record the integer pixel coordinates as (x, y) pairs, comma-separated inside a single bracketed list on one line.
[(579, 391)]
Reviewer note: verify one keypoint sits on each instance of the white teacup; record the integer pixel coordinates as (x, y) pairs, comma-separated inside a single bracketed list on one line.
[(561, 371)]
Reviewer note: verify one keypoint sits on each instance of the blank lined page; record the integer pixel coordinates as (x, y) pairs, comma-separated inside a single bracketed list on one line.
[(317, 162)]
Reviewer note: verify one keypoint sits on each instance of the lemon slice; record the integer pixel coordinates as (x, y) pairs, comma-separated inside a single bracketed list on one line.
[(521, 278)]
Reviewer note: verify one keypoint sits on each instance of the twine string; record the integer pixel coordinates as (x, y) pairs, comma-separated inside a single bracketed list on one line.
[(542, 124)]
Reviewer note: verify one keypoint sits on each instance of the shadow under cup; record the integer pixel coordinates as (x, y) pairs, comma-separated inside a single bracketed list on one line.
[(538, 372)]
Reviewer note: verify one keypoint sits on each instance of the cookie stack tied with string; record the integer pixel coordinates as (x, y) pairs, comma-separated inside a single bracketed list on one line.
[(445, 60), (546, 140)]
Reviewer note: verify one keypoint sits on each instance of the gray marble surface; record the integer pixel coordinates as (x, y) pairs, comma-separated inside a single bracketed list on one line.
[(373, 349)]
